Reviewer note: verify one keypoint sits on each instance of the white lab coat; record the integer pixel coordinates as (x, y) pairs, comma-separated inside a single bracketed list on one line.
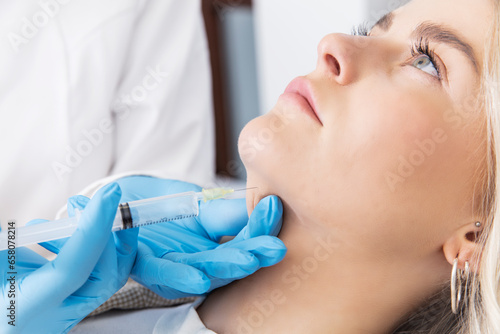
[(181, 319), (92, 88)]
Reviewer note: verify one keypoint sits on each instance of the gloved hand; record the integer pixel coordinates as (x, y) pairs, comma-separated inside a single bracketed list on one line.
[(53, 296), (183, 258)]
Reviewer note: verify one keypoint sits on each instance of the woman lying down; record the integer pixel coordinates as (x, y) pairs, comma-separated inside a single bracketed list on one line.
[(389, 188)]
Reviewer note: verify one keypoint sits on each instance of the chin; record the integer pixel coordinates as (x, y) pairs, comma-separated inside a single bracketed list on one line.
[(263, 146), (268, 158), (250, 145), (257, 162)]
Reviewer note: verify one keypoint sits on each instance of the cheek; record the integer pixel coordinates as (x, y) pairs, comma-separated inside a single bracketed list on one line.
[(365, 142), (388, 166), (390, 160), (383, 130)]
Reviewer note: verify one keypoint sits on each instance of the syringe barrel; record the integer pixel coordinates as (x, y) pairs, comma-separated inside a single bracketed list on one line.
[(157, 210), (132, 214), (47, 231)]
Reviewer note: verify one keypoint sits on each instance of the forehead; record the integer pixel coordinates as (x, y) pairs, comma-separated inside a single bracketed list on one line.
[(471, 19)]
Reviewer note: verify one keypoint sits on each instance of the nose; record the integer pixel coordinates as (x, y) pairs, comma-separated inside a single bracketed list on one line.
[(338, 56)]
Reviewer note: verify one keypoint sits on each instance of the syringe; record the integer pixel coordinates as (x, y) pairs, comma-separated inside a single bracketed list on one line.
[(129, 215)]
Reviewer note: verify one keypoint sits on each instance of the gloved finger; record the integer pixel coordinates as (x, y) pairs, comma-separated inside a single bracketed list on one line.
[(176, 237), (268, 250), (102, 281), (78, 257), (100, 285), (52, 246), (107, 277), (74, 203), (150, 270), (266, 219), (126, 250), (223, 217), (77, 202), (221, 263), (28, 259)]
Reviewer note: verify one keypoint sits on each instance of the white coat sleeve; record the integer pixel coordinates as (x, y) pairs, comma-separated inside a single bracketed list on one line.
[(100, 89), (163, 105)]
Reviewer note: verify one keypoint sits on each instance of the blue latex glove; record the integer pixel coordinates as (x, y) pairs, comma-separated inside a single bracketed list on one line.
[(183, 257), (53, 296)]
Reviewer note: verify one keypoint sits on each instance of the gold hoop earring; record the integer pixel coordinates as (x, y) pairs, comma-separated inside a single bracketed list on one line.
[(456, 284)]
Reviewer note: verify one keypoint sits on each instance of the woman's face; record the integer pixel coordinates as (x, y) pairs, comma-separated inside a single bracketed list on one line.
[(393, 146)]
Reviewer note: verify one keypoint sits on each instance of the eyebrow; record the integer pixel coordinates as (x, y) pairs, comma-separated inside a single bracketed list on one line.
[(385, 22), (434, 33), (440, 34)]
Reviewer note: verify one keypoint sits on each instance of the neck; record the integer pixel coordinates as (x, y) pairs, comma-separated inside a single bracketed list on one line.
[(319, 287)]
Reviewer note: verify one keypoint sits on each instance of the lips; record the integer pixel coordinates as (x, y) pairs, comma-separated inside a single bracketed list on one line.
[(301, 88)]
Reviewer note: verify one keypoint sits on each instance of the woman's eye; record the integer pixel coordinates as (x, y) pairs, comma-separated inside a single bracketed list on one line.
[(425, 64)]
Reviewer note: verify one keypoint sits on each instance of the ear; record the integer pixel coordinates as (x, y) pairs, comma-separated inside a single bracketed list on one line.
[(463, 244)]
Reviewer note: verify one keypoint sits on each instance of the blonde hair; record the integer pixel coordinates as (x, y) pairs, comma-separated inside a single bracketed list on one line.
[(480, 312), (483, 311)]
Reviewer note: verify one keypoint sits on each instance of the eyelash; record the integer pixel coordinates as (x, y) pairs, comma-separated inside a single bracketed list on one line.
[(420, 47), (360, 30)]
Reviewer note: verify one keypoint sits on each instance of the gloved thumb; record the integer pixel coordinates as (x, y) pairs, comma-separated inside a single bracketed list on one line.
[(223, 217), (76, 260), (266, 219), (52, 246), (75, 203)]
